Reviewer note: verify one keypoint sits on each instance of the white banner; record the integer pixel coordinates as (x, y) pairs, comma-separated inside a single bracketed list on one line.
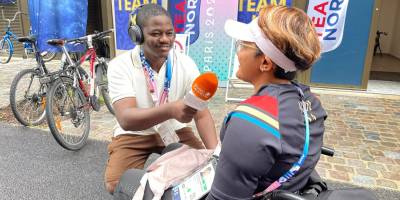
[(328, 17)]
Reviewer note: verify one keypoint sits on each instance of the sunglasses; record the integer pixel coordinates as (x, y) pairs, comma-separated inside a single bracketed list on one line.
[(239, 45)]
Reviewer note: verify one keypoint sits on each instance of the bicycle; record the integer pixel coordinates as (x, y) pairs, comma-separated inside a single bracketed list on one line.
[(7, 46), (69, 99), (33, 97), (33, 84)]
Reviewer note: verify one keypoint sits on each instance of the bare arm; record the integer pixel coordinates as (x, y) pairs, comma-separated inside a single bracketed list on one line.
[(132, 118), (206, 127)]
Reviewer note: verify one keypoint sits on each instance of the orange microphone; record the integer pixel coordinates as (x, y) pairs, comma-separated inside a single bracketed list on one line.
[(203, 88)]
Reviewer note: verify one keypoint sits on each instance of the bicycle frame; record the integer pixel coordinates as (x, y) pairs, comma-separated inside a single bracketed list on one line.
[(90, 54), (39, 60)]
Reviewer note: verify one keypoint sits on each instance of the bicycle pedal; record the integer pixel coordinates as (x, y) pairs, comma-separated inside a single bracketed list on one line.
[(94, 102)]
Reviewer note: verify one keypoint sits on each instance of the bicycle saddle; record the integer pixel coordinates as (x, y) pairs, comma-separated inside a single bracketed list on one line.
[(56, 42), (30, 39)]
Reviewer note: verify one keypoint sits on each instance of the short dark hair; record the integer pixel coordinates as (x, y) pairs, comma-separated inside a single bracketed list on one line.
[(279, 72), (147, 11), (300, 64)]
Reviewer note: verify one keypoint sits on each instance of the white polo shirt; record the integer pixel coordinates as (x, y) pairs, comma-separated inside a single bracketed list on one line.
[(126, 79)]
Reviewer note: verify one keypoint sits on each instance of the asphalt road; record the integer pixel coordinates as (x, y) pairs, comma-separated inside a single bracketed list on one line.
[(33, 166)]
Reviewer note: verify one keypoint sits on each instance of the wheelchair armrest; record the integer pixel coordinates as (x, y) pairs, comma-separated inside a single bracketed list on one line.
[(327, 151), (285, 195), (171, 147)]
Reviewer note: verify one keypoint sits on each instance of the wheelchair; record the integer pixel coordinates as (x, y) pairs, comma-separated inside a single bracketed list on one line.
[(315, 189)]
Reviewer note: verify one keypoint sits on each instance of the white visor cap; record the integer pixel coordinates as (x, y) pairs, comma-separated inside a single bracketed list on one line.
[(252, 33)]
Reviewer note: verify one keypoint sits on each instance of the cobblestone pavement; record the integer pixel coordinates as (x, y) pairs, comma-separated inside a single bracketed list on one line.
[(363, 128)]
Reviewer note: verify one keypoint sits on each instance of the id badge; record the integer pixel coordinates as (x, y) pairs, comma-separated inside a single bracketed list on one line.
[(197, 185), (167, 133)]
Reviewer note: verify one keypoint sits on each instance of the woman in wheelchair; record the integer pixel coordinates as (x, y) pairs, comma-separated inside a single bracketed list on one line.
[(273, 139)]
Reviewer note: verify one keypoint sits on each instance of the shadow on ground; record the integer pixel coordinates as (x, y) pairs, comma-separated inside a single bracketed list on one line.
[(382, 194)]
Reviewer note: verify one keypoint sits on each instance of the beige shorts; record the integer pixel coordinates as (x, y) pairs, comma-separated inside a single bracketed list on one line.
[(131, 151)]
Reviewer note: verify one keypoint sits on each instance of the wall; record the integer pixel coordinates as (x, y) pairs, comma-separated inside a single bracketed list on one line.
[(107, 18), (386, 23), (300, 4), (395, 50)]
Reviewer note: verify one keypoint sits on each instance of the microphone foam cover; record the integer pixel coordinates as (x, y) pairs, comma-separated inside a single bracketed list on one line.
[(205, 85)]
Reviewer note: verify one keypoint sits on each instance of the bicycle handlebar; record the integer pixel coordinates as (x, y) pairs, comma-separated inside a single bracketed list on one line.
[(15, 15), (13, 19), (95, 36)]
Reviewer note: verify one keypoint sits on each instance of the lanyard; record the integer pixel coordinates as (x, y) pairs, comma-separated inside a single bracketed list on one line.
[(296, 166), (151, 83)]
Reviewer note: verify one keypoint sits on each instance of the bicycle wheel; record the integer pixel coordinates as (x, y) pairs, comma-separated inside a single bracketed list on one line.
[(67, 112), (102, 82), (48, 56), (28, 98), (5, 51)]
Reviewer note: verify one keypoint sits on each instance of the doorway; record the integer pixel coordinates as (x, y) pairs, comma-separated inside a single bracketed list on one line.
[(95, 23), (385, 66)]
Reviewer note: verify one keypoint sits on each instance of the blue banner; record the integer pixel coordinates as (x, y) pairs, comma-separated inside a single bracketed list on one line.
[(122, 10), (186, 17), (248, 9), (345, 66), (7, 1), (54, 19)]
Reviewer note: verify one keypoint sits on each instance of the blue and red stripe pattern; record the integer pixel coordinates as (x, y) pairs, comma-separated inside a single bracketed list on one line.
[(261, 111)]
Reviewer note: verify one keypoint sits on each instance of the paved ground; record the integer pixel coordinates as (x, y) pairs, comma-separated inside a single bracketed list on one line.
[(365, 132), (34, 167), (363, 128)]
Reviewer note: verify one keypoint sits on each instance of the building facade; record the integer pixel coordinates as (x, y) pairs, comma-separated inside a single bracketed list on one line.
[(348, 67)]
